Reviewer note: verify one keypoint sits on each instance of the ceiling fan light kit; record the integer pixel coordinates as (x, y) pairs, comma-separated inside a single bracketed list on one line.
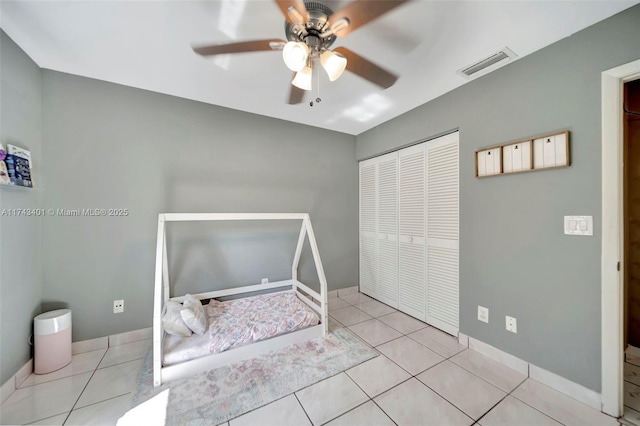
[(303, 78), (295, 55), (311, 28), (333, 63)]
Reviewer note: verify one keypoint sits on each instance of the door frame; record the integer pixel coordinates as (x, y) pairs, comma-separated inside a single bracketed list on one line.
[(612, 277)]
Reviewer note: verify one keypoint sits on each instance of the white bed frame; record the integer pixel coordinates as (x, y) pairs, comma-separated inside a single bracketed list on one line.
[(316, 301)]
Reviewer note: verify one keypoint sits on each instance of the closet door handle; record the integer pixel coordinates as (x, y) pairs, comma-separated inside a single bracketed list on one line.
[(386, 236), (410, 239)]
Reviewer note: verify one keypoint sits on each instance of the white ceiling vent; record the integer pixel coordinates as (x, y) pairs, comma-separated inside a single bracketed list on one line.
[(488, 64)]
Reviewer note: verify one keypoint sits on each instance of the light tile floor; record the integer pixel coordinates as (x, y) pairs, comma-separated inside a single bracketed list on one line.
[(422, 377)]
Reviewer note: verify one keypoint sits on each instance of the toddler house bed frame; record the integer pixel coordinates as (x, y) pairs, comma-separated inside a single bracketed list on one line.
[(316, 301)]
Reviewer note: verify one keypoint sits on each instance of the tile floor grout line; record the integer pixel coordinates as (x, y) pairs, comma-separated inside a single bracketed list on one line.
[(87, 384), (382, 409), (443, 397), (496, 404), (120, 363), (302, 406), (480, 377), (346, 412), (100, 402), (48, 417), (531, 406), (358, 405), (371, 398)]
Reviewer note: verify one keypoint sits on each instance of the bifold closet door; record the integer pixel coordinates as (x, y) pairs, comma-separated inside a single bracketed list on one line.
[(387, 171), (368, 227), (411, 215), (442, 208)]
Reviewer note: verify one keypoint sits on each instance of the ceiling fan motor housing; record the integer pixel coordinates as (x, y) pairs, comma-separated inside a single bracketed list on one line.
[(309, 32)]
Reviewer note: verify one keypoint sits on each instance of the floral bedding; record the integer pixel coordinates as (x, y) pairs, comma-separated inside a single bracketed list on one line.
[(241, 321), (238, 322)]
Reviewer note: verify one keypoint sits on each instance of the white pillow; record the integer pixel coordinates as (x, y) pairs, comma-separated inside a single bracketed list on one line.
[(192, 314), (172, 320)]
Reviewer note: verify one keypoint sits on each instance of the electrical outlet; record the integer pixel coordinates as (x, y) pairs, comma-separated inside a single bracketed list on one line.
[(265, 281), (483, 314), (511, 324), (118, 306)]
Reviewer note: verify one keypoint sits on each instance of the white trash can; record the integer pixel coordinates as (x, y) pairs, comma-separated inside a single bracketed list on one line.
[(52, 340)]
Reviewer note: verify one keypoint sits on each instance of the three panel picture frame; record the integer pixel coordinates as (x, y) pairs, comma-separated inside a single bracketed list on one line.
[(538, 153)]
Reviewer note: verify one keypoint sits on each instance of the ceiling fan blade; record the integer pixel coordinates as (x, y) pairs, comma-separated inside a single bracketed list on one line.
[(362, 12), (295, 95), (298, 5), (366, 69), (243, 46)]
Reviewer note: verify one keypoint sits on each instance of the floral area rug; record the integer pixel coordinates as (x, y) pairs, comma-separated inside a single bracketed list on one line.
[(215, 396)]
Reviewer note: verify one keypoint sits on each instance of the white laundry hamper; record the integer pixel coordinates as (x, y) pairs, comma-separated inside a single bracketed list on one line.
[(52, 340)]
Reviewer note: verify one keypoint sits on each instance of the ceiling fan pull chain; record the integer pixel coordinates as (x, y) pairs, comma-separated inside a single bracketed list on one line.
[(318, 100)]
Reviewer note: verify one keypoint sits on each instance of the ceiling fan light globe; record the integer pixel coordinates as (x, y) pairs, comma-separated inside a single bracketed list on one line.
[(295, 55), (302, 79), (333, 63)]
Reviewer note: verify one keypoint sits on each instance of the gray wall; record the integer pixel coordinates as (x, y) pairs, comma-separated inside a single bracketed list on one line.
[(110, 146), (20, 260), (514, 258)]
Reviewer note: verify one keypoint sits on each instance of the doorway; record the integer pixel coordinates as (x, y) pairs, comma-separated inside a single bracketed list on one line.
[(612, 260), (631, 275)]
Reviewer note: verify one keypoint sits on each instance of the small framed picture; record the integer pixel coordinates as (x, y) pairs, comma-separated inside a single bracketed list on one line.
[(551, 151), (489, 162), (517, 157)]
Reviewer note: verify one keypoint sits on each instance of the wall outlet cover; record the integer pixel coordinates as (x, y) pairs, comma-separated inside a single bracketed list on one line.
[(118, 306), (265, 281), (483, 314), (511, 324)]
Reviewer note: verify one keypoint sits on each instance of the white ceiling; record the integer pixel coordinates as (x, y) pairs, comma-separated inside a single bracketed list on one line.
[(147, 44)]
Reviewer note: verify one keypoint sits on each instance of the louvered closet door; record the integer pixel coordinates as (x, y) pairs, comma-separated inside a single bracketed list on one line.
[(411, 215), (368, 227), (442, 232), (388, 229)]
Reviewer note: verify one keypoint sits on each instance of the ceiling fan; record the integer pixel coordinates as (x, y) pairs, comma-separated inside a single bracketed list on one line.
[(311, 28)]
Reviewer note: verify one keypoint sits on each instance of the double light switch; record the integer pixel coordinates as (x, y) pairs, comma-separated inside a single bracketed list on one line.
[(578, 225)]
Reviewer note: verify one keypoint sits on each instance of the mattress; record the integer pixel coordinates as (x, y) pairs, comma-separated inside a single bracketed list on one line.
[(239, 322)]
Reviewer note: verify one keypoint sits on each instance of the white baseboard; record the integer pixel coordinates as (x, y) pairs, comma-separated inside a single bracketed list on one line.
[(7, 389), (502, 357), (347, 291), (24, 373), (463, 339), (89, 345), (16, 380), (566, 386), (130, 336), (554, 381)]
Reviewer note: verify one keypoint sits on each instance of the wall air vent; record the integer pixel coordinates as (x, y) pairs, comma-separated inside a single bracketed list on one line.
[(487, 64)]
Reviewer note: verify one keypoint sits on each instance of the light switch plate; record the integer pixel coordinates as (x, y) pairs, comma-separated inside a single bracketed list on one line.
[(578, 225)]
